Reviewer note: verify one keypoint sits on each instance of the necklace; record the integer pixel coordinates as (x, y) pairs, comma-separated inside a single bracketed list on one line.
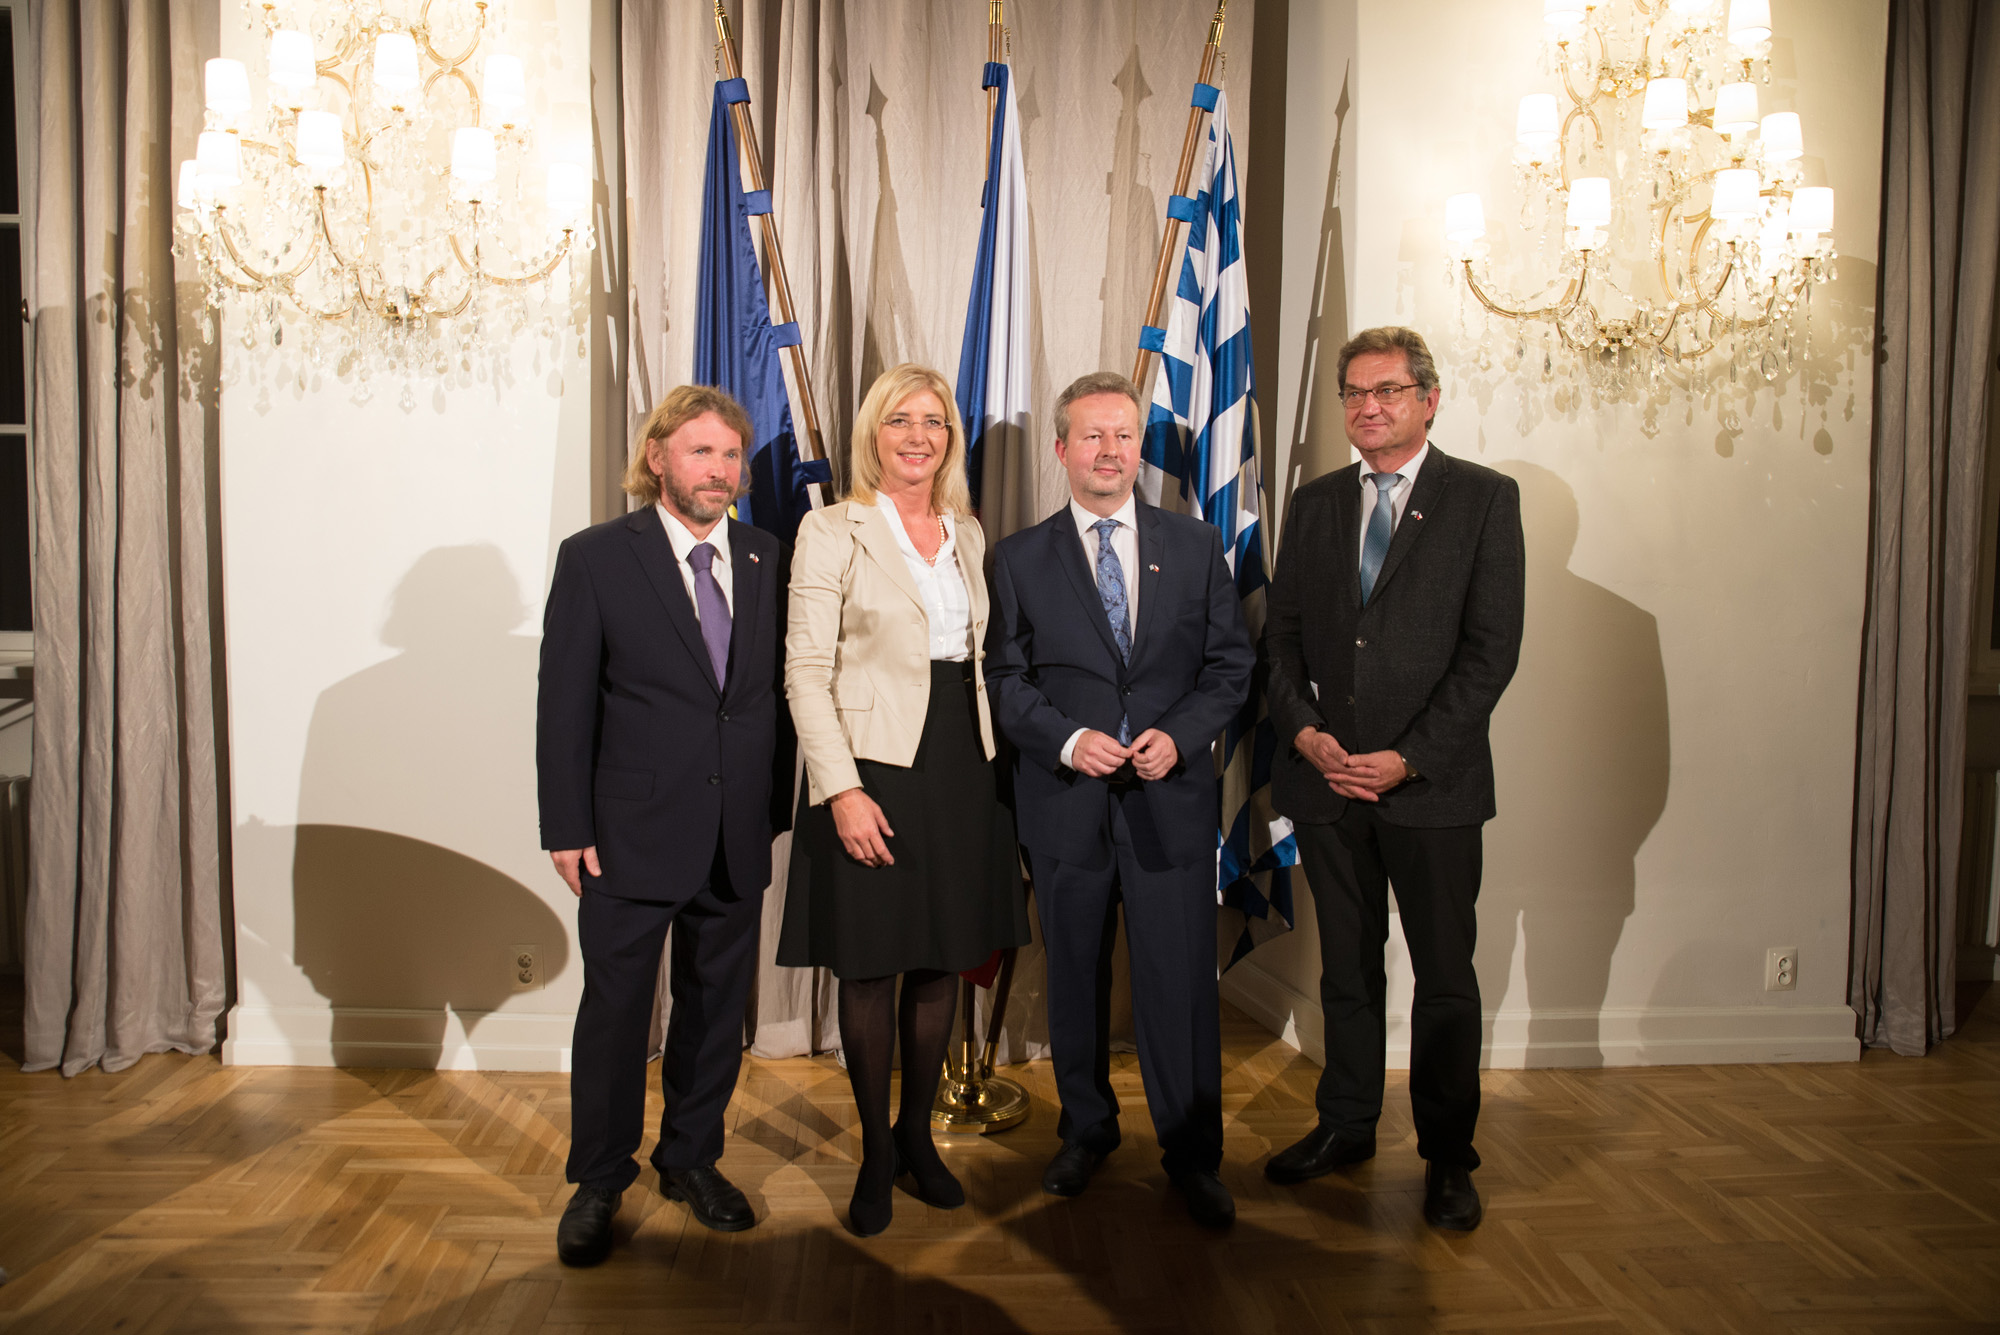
[(943, 533)]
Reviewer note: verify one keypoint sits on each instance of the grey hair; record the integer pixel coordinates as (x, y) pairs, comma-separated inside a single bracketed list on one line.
[(1392, 338)]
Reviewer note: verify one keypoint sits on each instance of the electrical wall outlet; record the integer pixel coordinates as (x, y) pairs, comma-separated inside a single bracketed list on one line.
[(1781, 969), (524, 966)]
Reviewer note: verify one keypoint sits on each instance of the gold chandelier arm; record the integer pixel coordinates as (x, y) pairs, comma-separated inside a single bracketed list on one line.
[(475, 269), (454, 72), (449, 62), (292, 295), (262, 279), (214, 260), (1557, 308), (326, 228)]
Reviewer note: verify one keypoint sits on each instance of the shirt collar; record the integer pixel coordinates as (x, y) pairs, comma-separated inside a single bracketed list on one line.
[(1408, 472), (1126, 514), (895, 518), (684, 542)]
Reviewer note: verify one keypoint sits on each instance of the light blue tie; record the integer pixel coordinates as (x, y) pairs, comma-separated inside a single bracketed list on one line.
[(1117, 607), (1381, 525)]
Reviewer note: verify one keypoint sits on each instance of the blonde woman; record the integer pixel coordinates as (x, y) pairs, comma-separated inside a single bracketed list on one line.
[(904, 860)]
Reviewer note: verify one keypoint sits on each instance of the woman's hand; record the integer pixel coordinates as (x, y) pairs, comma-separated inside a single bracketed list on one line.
[(864, 830)]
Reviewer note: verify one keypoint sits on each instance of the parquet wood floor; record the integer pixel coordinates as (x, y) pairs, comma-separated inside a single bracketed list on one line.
[(182, 1196)]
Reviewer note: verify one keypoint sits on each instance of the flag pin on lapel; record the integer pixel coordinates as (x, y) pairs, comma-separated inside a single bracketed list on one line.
[(753, 555), (1414, 514), (1155, 569)]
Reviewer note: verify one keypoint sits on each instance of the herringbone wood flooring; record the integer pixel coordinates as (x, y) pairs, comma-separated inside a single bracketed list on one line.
[(181, 1196)]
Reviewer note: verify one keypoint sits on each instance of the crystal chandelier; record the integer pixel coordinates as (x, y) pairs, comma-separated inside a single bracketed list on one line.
[(389, 195), (1672, 213)]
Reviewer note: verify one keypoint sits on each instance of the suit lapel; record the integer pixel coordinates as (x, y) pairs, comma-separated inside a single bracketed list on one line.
[(1152, 547), (1069, 555), (1424, 498), (746, 588), (879, 541), (1346, 539), (656, 558)]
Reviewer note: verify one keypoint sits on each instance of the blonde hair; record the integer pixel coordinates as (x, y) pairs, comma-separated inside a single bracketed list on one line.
[(949, 492), (681, 406)]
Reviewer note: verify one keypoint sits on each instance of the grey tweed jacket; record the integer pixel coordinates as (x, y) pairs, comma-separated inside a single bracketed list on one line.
[(1421, 667)]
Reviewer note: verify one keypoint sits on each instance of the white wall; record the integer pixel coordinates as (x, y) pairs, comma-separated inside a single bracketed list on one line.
[(1676, 754), (384, 569)]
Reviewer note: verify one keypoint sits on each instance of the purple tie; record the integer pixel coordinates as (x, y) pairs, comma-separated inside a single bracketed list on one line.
[(713, 609)]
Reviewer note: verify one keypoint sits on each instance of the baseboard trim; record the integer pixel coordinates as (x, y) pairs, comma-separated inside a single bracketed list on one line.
[(1518, 1039), (416, 1039)]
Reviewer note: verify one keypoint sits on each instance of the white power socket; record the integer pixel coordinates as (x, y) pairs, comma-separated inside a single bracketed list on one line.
[(1781, 969), (524, 965)]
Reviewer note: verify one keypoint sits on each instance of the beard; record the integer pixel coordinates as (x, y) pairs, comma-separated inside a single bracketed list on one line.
[(702, 505)]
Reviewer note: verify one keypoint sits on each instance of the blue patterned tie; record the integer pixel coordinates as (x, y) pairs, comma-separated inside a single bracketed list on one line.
[(1381, 525), (1117, 607)]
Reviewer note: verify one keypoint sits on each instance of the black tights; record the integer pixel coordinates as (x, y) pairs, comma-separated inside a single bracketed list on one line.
[(869, 1019)]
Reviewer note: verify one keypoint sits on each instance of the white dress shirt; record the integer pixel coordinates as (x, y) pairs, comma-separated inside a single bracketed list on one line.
[(1399, 493), (947, 602), (684, 542), (1125, 548)]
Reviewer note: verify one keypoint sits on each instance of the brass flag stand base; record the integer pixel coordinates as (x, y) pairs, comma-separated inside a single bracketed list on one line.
[(970, 1097)]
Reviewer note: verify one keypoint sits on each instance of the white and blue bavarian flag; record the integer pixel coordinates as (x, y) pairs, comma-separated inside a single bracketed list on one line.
[(1200, 457), (993, 359)]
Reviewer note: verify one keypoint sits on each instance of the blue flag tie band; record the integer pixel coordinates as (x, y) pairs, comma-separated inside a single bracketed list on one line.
[(786, 335), (995, 73), (1152, 338), (1204, 96), (756, 202), (1182, 207), (736, 90)]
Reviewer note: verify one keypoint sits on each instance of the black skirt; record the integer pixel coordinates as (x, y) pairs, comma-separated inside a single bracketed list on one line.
[(953, 895)]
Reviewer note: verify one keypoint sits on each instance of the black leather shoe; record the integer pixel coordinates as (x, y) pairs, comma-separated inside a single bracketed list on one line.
[(1322, 1151), (708, 1194), (1069, 1172), (1208, 1201), (1450, 1201), (583, 1235)]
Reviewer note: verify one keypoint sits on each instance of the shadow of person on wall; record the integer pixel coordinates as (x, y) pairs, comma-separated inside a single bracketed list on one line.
[(1581, 750), (406, 763)]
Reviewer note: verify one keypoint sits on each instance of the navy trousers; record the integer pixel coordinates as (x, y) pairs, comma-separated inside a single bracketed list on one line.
[(714, 963)]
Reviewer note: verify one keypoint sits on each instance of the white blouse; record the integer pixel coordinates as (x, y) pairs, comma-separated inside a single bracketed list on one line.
[(947, 602)]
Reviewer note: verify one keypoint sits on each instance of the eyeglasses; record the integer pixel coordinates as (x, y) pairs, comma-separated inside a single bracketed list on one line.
[(1386, 395), (930, 425)]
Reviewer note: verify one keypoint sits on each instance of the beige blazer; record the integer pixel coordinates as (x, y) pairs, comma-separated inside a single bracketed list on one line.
[(857, 644)]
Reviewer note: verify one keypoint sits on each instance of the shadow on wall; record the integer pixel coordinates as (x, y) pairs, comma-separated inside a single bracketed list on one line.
[(1319, 442), (434, 739), (1581, 745)]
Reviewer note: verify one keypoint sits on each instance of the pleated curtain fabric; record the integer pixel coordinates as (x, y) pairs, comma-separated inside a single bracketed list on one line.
[(1940, 250), (125, 917), (873, 128)]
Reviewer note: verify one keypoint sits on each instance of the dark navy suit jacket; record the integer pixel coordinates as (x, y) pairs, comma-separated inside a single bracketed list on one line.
[(1052, 667), (638, 748)]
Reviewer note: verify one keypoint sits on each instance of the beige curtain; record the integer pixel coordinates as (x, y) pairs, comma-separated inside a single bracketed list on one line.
[(125, 935), (1940, 247), (873, 129)]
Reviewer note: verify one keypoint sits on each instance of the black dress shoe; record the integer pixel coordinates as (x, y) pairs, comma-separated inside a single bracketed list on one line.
[(583, 1235), (1322, 1151), (1450, 1201), (1069, 1172), (1208, 1201), (708, 1194)]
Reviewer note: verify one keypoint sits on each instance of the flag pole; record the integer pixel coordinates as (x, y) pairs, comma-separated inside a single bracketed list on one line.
[(971, 1097), (1170, 243), (774, 255)]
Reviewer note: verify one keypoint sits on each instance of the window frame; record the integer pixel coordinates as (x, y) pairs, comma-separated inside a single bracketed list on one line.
[(14, 643)]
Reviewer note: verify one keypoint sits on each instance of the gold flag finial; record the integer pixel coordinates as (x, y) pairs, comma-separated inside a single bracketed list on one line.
[(1214, 25), (722, 33), (993, 16)]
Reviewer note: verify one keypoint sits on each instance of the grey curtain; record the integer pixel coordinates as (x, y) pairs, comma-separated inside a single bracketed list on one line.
[(873, 132), (1940, 246), (125, 920)]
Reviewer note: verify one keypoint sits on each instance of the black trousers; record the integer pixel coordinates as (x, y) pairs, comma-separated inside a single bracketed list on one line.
[(1170, 935), (714, 963), (1350, 865)]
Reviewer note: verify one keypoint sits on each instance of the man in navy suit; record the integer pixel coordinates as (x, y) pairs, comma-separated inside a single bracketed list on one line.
[(1116, 654), (657, 749), (1394, 625)]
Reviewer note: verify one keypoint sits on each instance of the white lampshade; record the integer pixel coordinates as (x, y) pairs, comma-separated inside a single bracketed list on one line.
[(504, 90), (292, 64), (1812, 209), (1666, 105), (1736, 108), (320, 144), (226, 85), (1562, 13), (1589, 202), (1781, 137), (1690, 8), (1464, 218), (472, 155), (1736, 192), (1538, 123), (569, 191), (1749, 22), (395, 62), (218, 161), (187, 186)]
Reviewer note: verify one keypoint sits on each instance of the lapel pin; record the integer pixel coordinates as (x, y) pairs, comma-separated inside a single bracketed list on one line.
[(753, 555), (1414, 514), (1154, 569)]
